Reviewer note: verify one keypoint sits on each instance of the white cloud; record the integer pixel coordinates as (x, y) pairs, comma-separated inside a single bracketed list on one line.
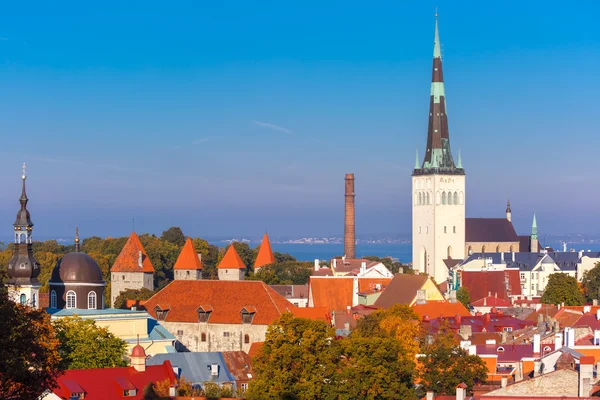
[(271, 126)]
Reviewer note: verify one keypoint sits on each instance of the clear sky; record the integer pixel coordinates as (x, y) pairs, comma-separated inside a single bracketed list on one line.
[(236, 117)]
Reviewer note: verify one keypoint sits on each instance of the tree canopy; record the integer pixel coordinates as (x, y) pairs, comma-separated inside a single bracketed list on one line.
[(28, 350), (85, 345), (591, 283), (132, 294), (562, 288), (173, 235), (462, 295)]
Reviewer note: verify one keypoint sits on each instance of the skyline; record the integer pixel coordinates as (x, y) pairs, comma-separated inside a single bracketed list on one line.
[(243, 138)]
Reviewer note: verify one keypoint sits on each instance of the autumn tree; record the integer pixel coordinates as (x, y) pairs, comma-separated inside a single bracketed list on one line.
[(298, 360), (462, 295), (591, 283), (85, 345), (28, 350), (562, 288), (132, 294), (283, 273), (173, 235)]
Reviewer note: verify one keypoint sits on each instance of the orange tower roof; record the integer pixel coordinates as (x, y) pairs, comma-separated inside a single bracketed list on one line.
[(231, 260), (129, 258), (265, 253), (188, 258)]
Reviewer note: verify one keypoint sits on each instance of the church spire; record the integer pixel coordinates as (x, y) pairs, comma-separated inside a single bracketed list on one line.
[(534, 230), (77, 245), (417, 165), (23, 225), (438, 154)]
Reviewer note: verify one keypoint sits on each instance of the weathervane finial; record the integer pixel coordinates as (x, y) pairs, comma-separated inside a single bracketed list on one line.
[(24, 176)]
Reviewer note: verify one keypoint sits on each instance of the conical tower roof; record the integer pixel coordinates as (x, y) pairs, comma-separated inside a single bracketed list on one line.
[(265, 253), (188, 258), (231, 260), (129, 258)]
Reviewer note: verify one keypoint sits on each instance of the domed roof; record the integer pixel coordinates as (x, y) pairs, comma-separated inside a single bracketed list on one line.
[(77, 267), (138, 351)]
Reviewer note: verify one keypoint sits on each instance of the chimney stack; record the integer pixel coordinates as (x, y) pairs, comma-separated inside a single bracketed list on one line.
[(349, 230)]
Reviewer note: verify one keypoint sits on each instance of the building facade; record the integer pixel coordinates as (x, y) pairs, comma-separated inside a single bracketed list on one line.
[(189, 263), (438, 189)]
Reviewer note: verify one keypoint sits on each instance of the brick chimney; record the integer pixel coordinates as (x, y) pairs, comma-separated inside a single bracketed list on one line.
[(349, 229)]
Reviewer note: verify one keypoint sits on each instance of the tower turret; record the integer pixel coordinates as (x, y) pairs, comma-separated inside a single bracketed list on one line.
[(508, 211), (534, 236), (23, 268)]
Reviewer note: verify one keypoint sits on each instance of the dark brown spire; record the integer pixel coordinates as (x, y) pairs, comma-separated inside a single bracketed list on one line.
[(438, 155), (77, 249)]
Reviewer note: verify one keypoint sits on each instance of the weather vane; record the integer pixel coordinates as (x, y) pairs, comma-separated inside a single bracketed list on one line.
[(24, 176)]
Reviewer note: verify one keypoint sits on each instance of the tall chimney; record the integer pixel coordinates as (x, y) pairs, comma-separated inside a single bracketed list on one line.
[(349, 230)]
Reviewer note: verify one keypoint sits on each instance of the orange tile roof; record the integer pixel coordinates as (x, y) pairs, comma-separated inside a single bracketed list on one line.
[(314, 313), (255, 348), (227, 299), (128, 259), (436, 309), (231, 260), (265, 254), (336, 293), (188, 258)]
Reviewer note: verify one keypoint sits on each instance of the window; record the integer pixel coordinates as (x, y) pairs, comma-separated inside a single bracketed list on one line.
[(33, 299), (419, 229), (453, 229), (426, 229), (92, 300), (246, 338), (179, 333), (161, 314), (523, 275), (244, 387), (203, 316), (511, 249), (483, 249), (450, 198), (71, 299), (444, 229), (470, 250), (455, 197), (444, 198), (497, 249), (225, 334), (188, 272), (507, 329), (203, 337), (123, 277), (420, 199), (23, 298), (129, 393)]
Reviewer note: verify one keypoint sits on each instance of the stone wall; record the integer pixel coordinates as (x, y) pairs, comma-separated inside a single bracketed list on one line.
[(231, 274), (188, 274), (120, 281)]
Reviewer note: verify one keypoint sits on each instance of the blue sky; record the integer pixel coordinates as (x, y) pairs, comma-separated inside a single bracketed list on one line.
[(229, 118)]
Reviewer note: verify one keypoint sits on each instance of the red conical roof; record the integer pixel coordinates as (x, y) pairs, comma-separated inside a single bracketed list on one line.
[(138, 351), (231, 260), (128, 259), (188, 258), (265, 253)]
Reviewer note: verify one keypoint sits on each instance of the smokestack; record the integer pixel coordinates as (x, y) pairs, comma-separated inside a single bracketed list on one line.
[(349, 230)]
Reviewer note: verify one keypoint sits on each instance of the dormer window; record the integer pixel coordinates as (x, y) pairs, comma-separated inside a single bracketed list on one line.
[(248, 314), (204, 312), (161, 311)]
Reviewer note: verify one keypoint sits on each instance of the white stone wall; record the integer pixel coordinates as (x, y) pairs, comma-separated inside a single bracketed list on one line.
[(438, 228), (32, 295), (231, 274), (219, 337), (188, 274), (120, 281)]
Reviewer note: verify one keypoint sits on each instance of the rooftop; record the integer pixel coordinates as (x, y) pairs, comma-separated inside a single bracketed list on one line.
[(129, 258)]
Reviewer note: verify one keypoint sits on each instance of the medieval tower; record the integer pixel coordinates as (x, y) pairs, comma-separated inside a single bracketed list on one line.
[(438, 188)]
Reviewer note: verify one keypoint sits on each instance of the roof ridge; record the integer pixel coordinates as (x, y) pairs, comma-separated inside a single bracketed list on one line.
[(271, 298)]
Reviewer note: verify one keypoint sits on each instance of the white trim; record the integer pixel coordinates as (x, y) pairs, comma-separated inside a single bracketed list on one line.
[(92, 294), (67, 299), (53, 297), (75, 284)]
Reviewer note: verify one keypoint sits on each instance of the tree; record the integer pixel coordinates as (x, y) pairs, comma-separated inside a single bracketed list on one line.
[(84, 345), (445, 364), (284, 273), (132, 294), (563, 288), (28, 350), (393, 266), (298, 361), (462, 295), (173, 235), (591, 283)]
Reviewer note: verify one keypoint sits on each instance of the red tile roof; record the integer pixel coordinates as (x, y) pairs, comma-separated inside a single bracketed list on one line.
[(109, 383), (255, 348), (239, 365), (441, 308), (491, 322), (480, 230), (128, 259), (491, 301), (481, 284), (188, 258), (402, 289), (314, 313), (510, 352), (265, 254), (227, 299), (231, 260), (337, 293)]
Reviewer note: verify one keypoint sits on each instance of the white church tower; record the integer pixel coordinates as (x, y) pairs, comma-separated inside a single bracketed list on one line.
[(438, 189)]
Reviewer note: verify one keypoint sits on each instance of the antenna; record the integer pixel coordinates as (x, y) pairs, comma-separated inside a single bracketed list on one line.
[(133, 224)]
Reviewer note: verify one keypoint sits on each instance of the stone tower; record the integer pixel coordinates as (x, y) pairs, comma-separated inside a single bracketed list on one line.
[(349, 228), (23, 268), (438, 188), (534, 236), (189, 264), (231, 267)]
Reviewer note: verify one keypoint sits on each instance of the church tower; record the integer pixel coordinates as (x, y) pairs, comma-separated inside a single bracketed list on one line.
[(23, 268), (438, 189)]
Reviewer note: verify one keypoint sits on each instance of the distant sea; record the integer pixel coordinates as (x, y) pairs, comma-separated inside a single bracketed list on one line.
[(308, 252)]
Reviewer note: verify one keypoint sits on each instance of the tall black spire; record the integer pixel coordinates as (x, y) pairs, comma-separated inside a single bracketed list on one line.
[(23, 268)]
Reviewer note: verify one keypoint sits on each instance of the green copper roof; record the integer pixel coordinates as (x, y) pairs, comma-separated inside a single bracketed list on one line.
[(534, 231), (459, 163), (437, 53), (417, 165)]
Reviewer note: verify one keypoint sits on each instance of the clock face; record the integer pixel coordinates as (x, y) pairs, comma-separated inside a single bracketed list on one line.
[(22, 266)]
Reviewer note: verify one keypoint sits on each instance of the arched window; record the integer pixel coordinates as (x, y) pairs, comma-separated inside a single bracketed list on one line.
[(53, 299), (497, 249), (23, 298), (71, 299), (428, 197), (453, 229), (449, 198), (483, 249), (92, 300), (443, 197), (444, 229), (449, 252), (470, 250), (33, 300), (419, 229), (511, 248), (420, 198), (461, 198), (203, 337), (246, 338), (455, 197)]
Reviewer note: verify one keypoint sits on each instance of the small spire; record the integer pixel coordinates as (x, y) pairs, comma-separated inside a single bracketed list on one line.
[(508, 205), (417, 165), (534, 230), (459, 163), (23, 197), (77, 239), (437, 52)]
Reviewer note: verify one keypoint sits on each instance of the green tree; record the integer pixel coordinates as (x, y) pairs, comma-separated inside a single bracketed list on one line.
[(284, 273), (299, 360), (393, 266), (173, 235), (563, 288), (462, 295), (132, 294), (28, 350), (84, 345), (591, 283)]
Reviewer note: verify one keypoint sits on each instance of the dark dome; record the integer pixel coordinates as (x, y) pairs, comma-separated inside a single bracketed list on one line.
[(77, 268)]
